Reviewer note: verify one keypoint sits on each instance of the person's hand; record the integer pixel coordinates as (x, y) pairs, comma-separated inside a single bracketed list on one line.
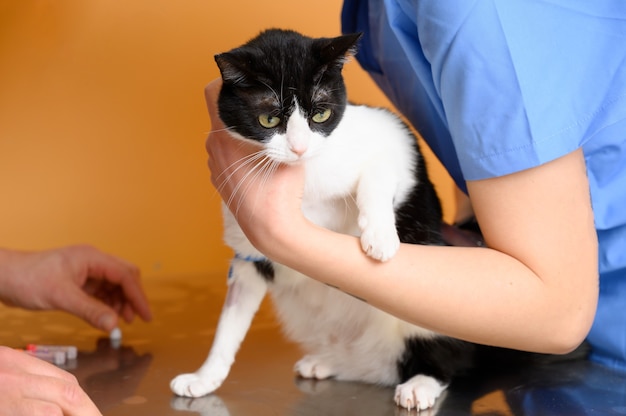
[(30, 386), (265, 198), (81, 280)]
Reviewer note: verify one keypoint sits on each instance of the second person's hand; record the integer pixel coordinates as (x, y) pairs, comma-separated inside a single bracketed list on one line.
[(81, 280), (30, 386)]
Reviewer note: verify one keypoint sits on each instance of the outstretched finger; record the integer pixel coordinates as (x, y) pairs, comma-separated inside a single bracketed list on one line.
[(126, 277)]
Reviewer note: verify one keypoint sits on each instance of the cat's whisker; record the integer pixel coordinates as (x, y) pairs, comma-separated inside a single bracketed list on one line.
[(318, 83), (249, 178), (263, 175), (221, 130), (246, 181), (226, 176), (273, 91), (258, 161), (282, 86), (348, 206), (327, 104), (232, 169)]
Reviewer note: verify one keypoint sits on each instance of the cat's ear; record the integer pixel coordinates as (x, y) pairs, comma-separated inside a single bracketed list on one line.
[(233, 69), (336, 51)]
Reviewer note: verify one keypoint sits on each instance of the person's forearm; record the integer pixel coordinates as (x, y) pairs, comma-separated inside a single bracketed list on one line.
[(8, 279), (475, 294)]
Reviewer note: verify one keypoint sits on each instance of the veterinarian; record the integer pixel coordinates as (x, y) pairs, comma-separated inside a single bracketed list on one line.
[(81, 280), (524, 102)]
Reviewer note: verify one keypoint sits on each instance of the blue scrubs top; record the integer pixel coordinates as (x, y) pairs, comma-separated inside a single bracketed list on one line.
[(499, 86)]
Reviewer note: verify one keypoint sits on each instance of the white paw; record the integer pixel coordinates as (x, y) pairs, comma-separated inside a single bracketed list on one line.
[(193, 385), (419, 392), (378, 241), (312, 367)]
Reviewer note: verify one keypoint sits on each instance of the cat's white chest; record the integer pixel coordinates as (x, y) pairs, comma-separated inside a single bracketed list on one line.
[(337, 214)]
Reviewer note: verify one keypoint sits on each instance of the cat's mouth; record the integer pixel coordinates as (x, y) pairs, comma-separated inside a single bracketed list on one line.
[(290, 160), (288, 156)]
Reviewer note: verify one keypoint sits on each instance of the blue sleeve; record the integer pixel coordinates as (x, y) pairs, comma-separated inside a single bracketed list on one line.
[(402, 72), (481, 76)]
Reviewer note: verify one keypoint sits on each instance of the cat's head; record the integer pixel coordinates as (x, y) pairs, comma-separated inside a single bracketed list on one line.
[(285, 91)]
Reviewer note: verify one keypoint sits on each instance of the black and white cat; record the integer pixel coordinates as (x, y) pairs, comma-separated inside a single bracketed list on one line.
[(365, 177)]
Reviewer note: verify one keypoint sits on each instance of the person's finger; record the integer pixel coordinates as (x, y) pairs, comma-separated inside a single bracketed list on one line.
[(11, 359), (211, 92), (91, 309), (128, 313), (30, 407), (40, 387), (68, 396), (135, 296), (124, 275)]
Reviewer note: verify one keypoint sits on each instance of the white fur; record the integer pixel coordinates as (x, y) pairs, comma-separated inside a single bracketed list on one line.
[(419, 392), (245, 293), (354, 179)]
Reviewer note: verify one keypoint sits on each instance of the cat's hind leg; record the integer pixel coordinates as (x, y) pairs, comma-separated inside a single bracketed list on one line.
[(314, 367), (246, 289)]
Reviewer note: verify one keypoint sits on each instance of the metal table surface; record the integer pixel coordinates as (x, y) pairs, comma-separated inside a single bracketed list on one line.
[(134, 378)]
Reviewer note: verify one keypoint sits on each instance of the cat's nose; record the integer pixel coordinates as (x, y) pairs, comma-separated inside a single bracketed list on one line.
[(298, 150)]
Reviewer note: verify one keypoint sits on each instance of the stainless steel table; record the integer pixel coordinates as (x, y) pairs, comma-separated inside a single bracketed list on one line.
[(134, 378)]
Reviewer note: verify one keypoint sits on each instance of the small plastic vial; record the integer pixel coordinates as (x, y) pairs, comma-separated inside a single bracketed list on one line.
[(116, 334), (116, 337)]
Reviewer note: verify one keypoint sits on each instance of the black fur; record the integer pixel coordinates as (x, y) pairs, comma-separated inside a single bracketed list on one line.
[(418, 219), (442, 358), (253, 85), (266, 269), (446, 359)]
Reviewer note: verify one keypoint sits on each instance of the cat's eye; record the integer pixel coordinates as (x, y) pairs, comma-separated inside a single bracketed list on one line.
[(321, 116), (268, 121)]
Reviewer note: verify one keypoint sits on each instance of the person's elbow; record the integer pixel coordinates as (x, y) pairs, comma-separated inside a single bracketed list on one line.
[(571, 330)]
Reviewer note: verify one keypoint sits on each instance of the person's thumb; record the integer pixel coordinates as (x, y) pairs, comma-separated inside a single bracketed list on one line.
[(92, 310)]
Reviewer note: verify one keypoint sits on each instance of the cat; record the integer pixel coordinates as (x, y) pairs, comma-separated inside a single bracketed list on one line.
[(364, 176)]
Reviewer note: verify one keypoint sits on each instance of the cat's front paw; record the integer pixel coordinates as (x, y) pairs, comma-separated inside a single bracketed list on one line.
[(193, 385), (313, 367), (378, 241), (419, 392)]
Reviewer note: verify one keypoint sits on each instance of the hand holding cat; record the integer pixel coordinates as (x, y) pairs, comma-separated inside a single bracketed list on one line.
[(81, 280), (265, 205)]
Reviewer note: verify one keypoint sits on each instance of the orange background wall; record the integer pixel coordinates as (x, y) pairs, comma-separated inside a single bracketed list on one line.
[(102, 122)]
